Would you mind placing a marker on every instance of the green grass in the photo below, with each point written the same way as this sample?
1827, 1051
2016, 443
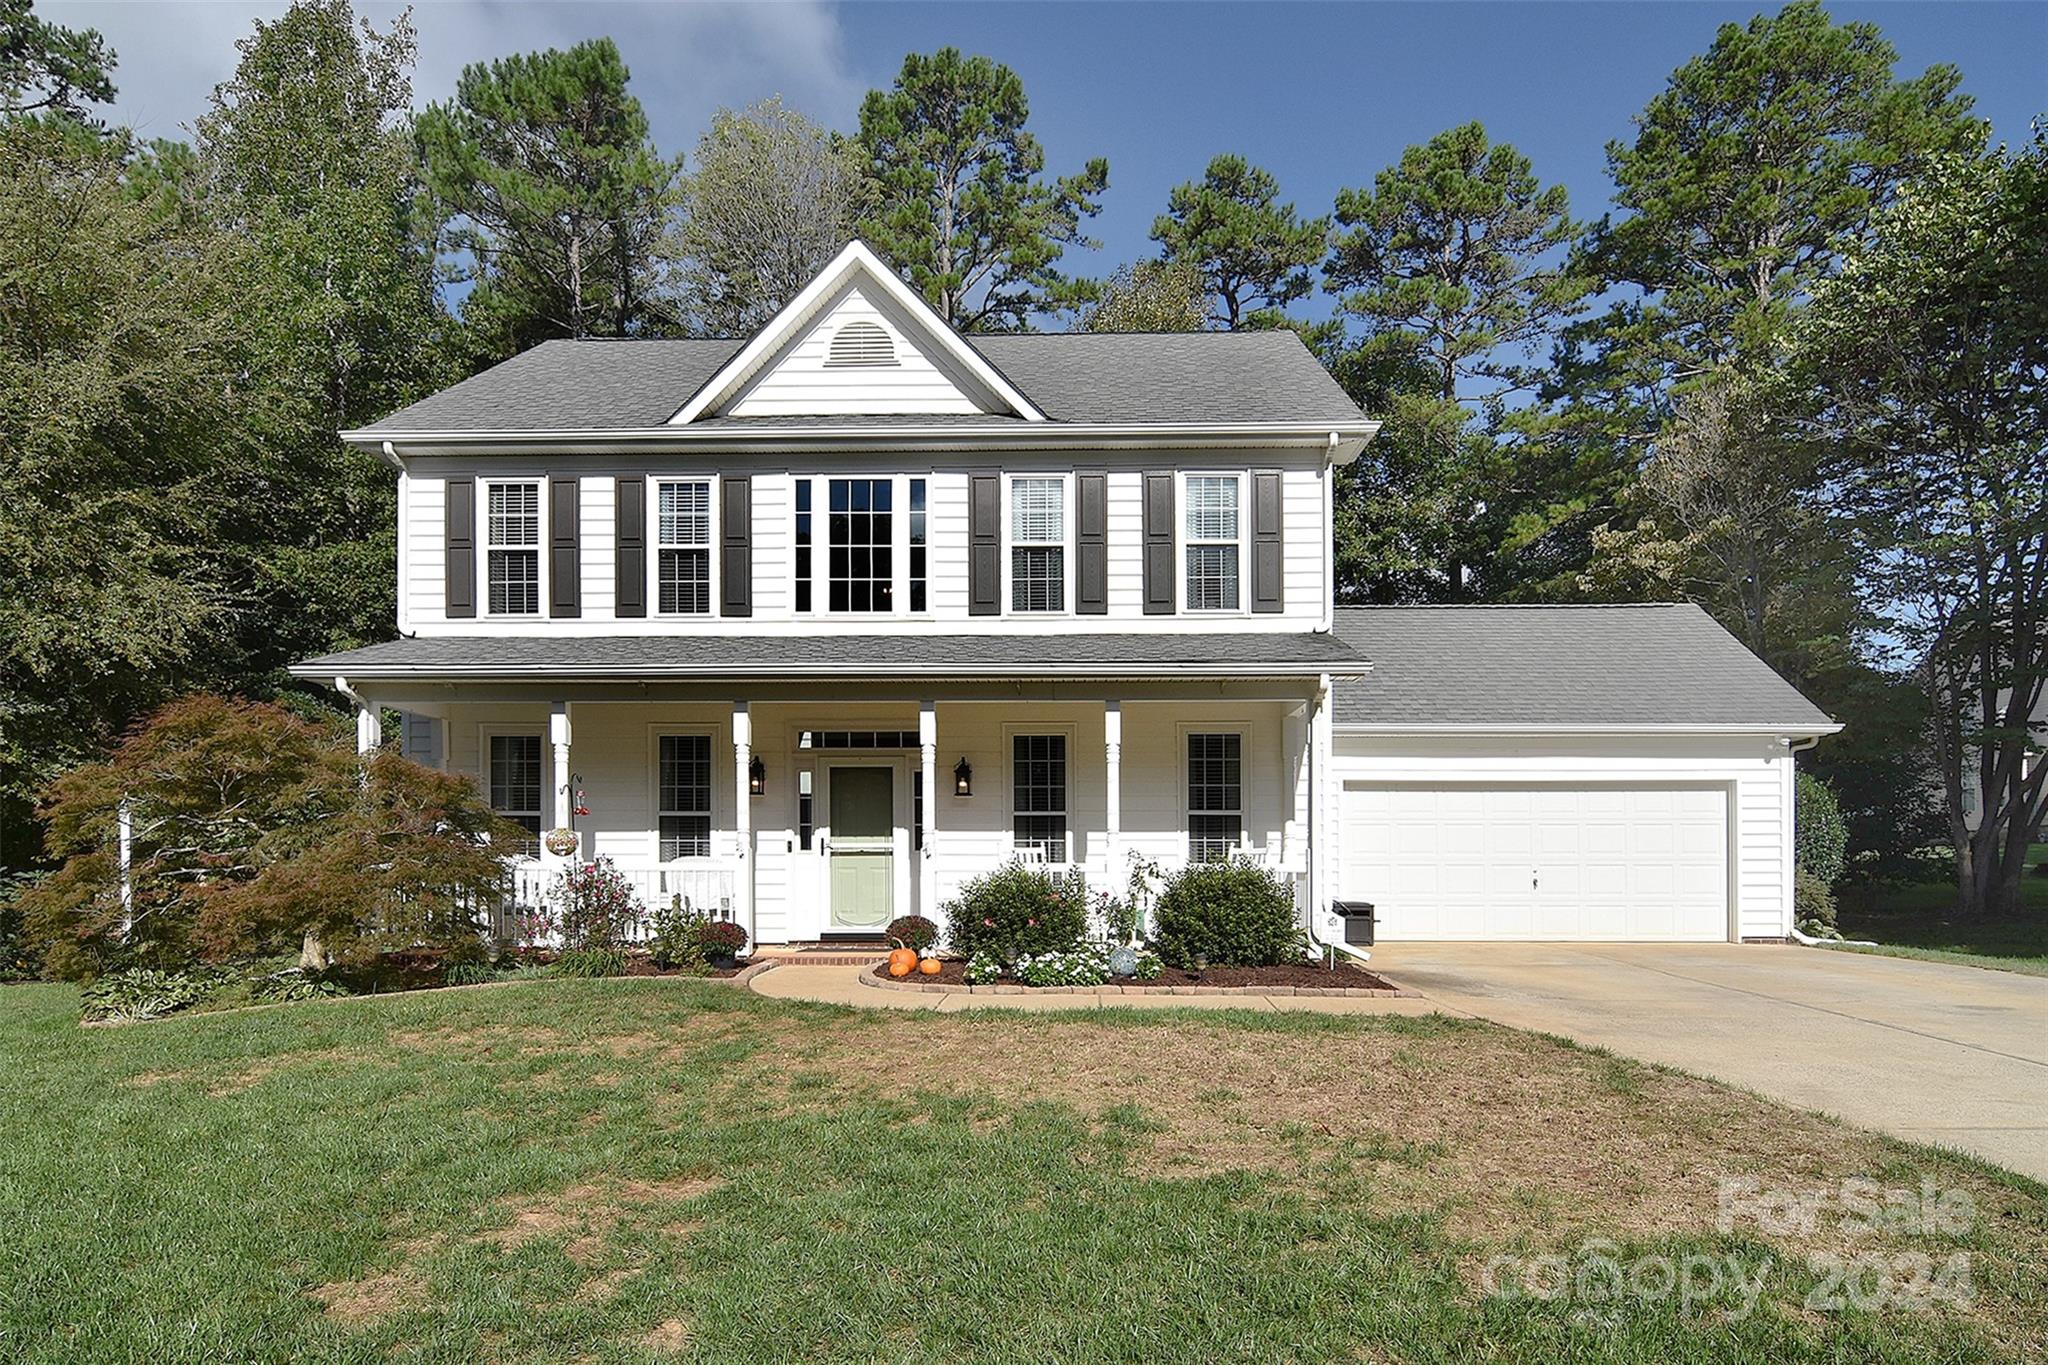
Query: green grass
1915, 920
639, 1170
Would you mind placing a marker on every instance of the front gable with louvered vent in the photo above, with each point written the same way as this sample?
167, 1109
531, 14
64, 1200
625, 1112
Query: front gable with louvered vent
856, 342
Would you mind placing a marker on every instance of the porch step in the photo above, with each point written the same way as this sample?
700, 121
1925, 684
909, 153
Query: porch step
824, 955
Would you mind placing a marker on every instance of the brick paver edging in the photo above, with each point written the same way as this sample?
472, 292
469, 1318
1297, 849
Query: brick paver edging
868, 978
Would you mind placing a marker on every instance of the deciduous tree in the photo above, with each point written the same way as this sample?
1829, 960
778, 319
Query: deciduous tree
773, 198
1149, 296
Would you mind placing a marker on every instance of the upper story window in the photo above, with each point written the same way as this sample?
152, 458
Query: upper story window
861, 343
683, 539
1038, 538
918, 553
1211, 536
860, 545
512, 548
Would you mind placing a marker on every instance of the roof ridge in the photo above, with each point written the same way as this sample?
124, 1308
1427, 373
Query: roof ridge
1505, 606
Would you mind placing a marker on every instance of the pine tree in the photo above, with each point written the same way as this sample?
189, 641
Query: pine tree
1254, 252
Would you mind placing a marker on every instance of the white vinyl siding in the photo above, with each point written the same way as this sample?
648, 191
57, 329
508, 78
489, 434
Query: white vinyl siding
804, 381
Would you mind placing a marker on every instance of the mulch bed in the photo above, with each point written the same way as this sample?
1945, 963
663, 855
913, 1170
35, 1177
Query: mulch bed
1294, 976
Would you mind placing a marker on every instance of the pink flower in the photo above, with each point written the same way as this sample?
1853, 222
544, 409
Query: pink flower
989, 923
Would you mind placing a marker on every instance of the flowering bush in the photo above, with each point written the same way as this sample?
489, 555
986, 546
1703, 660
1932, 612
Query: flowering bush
1087, 965
675, 937
599, 907
983, 968
532, 926
1018, 910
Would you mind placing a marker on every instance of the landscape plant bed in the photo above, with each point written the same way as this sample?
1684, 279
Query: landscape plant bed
1299, 978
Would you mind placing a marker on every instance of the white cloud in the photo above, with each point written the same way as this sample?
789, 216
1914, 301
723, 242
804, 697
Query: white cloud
686, 59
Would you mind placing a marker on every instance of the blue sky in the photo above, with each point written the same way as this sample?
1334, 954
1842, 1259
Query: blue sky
1324, 95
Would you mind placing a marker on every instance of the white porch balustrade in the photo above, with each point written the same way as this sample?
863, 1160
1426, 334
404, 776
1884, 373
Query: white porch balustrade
708, 886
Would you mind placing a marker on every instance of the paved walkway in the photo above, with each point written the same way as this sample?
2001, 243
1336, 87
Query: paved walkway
1928, 1051
1924, 1050
841, 986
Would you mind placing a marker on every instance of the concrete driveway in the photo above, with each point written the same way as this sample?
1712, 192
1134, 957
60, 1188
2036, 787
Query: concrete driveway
1956, 1056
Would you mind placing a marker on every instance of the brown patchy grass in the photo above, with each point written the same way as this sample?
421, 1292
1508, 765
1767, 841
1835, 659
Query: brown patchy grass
361, 1303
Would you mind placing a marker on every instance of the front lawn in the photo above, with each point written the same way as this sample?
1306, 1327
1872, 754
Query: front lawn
654, 1170
1914, 920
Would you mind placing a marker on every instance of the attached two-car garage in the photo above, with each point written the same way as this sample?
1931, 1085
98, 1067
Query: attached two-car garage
1586, 774
1538, 861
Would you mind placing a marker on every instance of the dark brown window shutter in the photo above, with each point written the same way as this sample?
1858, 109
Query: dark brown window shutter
1159, 593
736, 545
1091, 544
459, 567
629, 559
985, 545
565, 563
1267, 566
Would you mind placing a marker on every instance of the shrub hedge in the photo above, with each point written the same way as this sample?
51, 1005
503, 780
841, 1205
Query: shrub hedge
1017, 911
1229, 914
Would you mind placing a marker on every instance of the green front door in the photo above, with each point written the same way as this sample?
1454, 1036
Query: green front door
863, 848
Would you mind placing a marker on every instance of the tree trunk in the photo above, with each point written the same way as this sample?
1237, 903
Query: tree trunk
313, 954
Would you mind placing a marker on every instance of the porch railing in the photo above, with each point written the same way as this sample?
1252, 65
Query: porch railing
708, 886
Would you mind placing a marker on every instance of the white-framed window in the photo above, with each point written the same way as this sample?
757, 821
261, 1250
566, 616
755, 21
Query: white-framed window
1038, 794
512, 558
1215, 808
1212, 541
682, 538
515, 777
683, 795
1038, 543
860, 545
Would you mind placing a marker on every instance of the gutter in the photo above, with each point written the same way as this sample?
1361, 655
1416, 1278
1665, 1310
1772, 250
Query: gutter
1342, 440
1815, 732
852, 671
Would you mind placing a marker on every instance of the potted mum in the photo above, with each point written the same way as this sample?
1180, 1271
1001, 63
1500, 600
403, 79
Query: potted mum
722, 939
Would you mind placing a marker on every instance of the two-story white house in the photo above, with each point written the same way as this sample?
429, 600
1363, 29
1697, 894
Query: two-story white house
815, 626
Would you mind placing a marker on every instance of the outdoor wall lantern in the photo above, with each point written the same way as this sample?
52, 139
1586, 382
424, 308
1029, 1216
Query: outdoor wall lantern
963, 778
757, 777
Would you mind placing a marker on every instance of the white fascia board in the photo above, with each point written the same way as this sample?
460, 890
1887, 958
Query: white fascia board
962, 439
848, 672
1359, 728
855, 259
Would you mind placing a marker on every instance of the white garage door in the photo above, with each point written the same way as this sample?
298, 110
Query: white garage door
1539, 861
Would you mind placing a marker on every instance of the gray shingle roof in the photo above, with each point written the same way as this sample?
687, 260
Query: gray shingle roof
1136, 377
1651, 665
933, 655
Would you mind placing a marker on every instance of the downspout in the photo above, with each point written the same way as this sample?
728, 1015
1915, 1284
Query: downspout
1799, 747
1319, 729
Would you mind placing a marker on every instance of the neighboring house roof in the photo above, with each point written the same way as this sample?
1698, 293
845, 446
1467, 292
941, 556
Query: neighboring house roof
1592, 667
934, 656
1136, 378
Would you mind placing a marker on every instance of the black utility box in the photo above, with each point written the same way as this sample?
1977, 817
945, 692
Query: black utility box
1358, 920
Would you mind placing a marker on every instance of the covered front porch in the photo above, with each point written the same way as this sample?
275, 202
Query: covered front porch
817, 813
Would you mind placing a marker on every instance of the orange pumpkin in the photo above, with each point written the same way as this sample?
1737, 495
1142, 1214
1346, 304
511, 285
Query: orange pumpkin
930, 966
902, 962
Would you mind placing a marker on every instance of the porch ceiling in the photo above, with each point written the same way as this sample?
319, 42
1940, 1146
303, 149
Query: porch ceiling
1174, 657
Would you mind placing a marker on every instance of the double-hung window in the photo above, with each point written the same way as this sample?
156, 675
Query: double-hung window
512, 548
1210, 537
685, 797
1038, 791
515, 780
1038, 541
683, 540
1215, 795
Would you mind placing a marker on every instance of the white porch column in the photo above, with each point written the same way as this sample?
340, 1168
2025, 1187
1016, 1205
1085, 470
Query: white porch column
928, 784
743, 818
1322, 825
1113, 791
369, 730
558, 737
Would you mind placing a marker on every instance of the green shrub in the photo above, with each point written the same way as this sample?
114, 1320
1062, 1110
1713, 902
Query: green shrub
674, 938
1017, 910
914, 932
1229, 914
145, 993
1821, 835
590, 962
721, 937
1813, 906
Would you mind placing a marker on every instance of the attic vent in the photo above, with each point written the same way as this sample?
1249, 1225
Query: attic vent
861, 343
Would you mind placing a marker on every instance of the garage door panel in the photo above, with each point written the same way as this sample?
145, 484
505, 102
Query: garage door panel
1557, 862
